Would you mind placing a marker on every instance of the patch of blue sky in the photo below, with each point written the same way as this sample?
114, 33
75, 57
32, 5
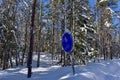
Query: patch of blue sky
0, 1
118, 4
92, 3
45, 1
116, 9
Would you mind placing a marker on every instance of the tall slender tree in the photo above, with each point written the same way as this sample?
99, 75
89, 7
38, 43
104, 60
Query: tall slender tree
29, 63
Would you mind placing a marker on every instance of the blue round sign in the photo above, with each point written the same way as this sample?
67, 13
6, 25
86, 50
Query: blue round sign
67, 42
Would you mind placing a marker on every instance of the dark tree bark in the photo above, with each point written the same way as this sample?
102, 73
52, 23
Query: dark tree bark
29, 62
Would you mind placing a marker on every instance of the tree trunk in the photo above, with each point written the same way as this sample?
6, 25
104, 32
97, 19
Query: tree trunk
29, 62
62, 32
16, 58
39, 35
10, 57
24, 52
39, 49
5, 59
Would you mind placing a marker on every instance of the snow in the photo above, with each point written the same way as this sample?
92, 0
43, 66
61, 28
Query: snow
111, 11
4, 27
84, 8
25, 3
105, 70
101, 1
118, 17
2, 11
67, 31
87, 17
107, 24
14, 34
85, 29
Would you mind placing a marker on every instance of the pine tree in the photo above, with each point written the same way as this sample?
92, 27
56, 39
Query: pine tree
105, 26
9, 32
83, 31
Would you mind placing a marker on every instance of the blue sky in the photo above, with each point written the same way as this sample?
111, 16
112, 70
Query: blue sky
92, 2
0, 1
45, 1
118, 4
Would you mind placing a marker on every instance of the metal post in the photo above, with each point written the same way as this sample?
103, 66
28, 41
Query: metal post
73, 69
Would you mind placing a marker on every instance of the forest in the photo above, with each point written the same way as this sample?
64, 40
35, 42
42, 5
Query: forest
29, 27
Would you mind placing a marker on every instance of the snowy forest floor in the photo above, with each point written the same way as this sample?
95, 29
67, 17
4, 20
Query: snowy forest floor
106, 70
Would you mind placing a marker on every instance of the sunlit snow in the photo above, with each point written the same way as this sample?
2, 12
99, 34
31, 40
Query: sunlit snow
106, 70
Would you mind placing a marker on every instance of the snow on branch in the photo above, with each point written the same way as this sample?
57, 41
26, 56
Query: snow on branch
15, 37
25, 3
111, 11
118, 16
84, 8
107, 24
87, 17
102, 1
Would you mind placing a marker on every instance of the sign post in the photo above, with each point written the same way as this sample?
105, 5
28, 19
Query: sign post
67, 44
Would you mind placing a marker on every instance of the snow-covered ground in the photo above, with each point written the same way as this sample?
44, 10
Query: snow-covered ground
106, 70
